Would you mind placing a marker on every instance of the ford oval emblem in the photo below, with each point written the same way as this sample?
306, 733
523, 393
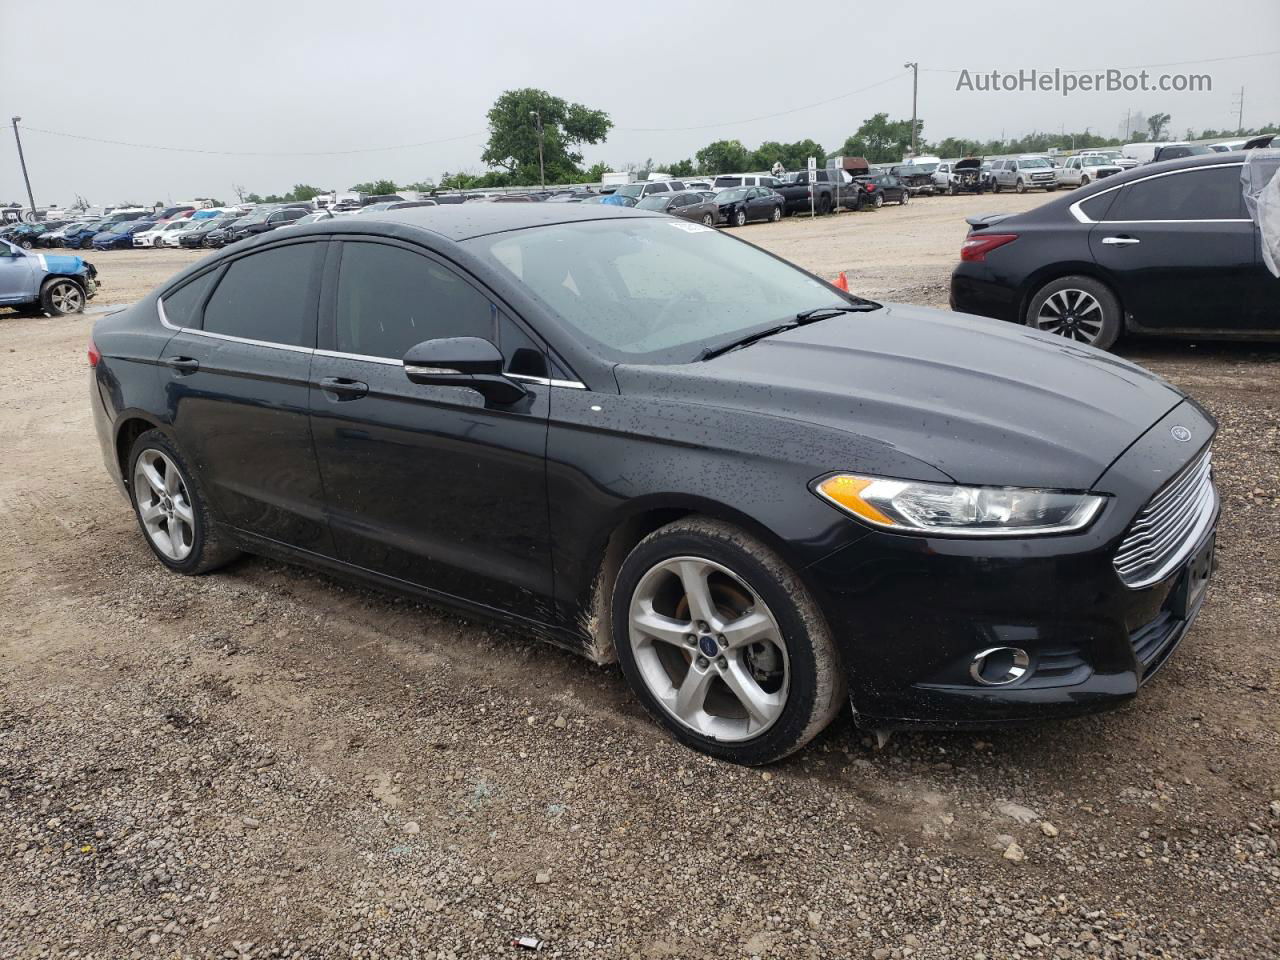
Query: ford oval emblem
1180, 433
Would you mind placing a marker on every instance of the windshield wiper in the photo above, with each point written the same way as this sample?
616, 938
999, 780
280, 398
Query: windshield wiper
821, 313
799, 320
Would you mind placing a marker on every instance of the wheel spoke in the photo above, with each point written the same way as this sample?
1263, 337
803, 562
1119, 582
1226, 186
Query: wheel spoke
749, 627
762, 707
172, 482
657, 627
182, 509
692, 693
151, 514
152, 476
693, 576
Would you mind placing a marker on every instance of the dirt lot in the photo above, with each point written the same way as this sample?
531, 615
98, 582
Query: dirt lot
266, 762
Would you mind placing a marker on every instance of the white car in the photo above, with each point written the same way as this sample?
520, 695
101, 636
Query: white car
155, 237
1112, 156
176, 228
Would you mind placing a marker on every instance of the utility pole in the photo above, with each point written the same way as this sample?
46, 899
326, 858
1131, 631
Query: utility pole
23, 160
542, 173
1127, 114
1240, 114
915, 89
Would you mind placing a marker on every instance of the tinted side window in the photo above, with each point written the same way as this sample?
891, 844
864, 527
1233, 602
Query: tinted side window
1211, 193
390, 299
677, 185
1095, 208
267, 296
182, 307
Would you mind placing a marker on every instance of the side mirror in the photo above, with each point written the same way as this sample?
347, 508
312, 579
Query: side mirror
462, 362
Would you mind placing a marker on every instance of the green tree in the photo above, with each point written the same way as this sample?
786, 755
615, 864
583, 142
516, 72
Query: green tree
724, 156
304, 191
1157, 124
513, 135
681, 168
375, 187
881, 140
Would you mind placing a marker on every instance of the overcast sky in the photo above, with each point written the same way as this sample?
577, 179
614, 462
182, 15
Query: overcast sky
279, 76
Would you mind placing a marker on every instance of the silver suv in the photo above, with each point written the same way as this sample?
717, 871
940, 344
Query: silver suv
1023, 174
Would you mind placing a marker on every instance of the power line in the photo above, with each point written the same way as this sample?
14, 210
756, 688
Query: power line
1133, 66
767, 116
254, 153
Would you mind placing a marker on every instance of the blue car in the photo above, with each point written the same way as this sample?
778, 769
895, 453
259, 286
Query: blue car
55, 283
120, 235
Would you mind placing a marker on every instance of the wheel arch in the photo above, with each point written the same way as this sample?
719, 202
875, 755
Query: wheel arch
618, 537
1069, 268
129, 427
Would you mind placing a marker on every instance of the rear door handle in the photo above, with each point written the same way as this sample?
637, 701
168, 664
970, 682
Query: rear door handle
1120, 241
182, 364
343, 388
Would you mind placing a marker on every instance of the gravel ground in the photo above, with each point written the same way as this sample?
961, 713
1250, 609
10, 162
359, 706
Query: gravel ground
267, 762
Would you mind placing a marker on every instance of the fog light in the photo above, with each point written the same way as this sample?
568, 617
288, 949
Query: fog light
999, 666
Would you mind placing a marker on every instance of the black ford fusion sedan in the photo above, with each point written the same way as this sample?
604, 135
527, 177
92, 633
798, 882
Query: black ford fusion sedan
646, 440
1166, 249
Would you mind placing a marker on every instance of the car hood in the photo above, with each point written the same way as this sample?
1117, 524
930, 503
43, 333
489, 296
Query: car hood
62, 264
980, 400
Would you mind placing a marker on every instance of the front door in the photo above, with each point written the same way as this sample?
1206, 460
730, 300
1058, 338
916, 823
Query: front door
237, 379
17, 275
1182, 249
429, 485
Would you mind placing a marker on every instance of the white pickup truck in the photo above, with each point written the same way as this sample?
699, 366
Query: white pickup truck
1082, 170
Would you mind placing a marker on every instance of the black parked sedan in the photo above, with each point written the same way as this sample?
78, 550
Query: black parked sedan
741, 204
650, 441
195, 237
686, 204
881, 188
1165, 249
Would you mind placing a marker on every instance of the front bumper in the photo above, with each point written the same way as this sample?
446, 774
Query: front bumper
910, 613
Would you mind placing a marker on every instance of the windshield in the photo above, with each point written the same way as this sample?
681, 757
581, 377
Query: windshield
1096, 161
654, 290
653, 203
729, 196
1027, 162
633, 190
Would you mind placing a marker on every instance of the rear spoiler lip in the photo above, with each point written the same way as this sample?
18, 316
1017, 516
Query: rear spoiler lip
986, 220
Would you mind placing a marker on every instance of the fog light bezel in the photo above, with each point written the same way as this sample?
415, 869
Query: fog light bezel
1018, 671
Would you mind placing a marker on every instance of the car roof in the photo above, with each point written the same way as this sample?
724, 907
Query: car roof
462, 221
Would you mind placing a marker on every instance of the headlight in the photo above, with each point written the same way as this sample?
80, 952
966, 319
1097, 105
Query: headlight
953, 510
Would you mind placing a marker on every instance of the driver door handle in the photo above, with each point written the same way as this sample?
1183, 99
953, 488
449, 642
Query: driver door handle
1120, 241
343, 388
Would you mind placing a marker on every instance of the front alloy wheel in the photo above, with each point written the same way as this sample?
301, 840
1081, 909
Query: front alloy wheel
61, 297
721, 642
740, 218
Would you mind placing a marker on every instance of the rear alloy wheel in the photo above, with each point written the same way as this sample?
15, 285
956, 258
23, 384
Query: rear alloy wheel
722, 644
906, 195
60, 296
740, 217
1076, 308
777, 214
171, 510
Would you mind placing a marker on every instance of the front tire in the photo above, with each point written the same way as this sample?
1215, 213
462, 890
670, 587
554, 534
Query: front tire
740, 218
995, 187
171, 508
722, 643
906, 195
777, 213
1019, 187
60, 297
879, 201
1076, 308
708, 220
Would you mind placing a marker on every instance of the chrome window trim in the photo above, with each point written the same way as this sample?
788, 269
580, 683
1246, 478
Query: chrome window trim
523, 377
164, 319
1083, 218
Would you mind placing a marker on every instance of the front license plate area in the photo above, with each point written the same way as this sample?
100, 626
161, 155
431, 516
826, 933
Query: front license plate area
1195, 581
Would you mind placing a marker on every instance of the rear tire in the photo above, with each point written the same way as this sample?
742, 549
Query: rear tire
172, 499
770, 679
777, 213
1078, 309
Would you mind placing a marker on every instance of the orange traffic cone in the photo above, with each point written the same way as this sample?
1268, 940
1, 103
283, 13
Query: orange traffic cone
842, 282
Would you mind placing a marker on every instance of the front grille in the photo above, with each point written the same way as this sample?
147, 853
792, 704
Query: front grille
1169, 526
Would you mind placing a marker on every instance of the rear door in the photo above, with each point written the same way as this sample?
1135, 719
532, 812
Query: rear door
1184, 251
237, 381
429, 485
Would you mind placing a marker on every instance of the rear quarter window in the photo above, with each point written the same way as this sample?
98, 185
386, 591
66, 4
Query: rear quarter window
1205, 193
182, 306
